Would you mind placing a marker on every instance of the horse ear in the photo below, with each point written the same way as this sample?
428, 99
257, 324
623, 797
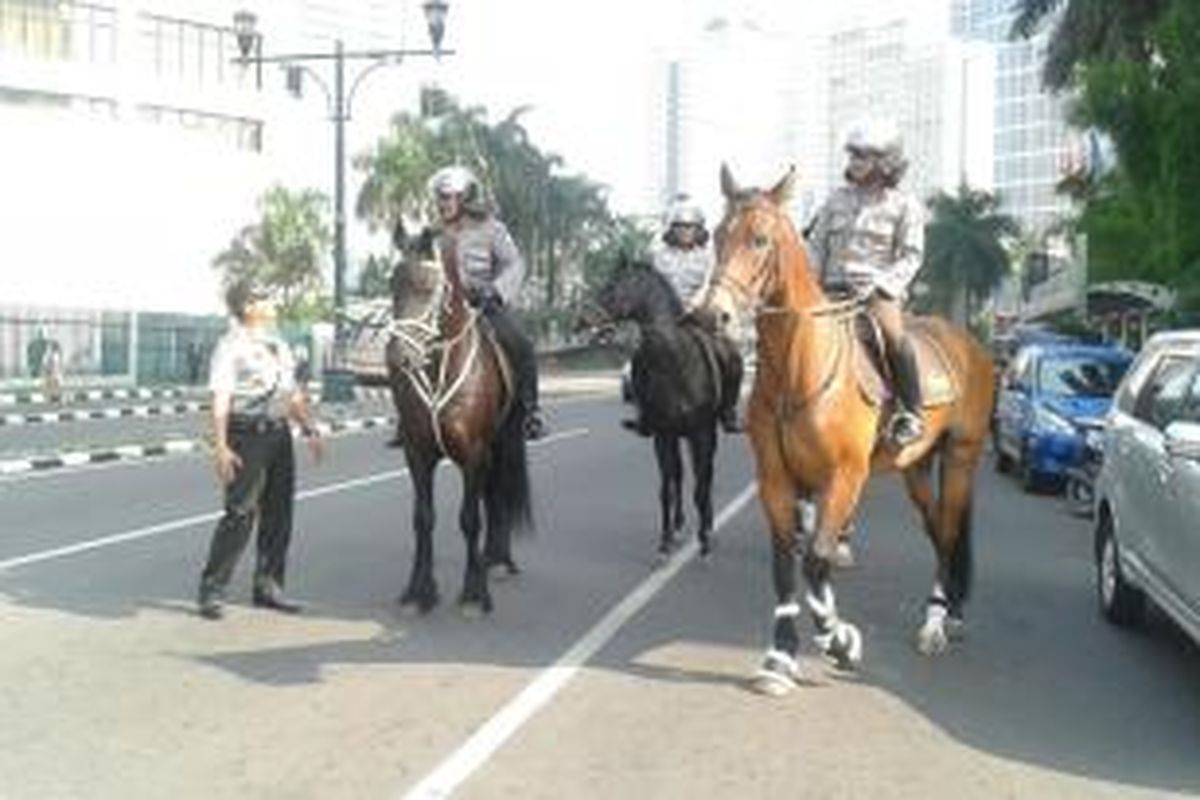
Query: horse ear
729, 186
782, 192
399, 234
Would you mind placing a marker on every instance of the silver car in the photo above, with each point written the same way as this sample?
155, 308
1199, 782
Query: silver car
1148, 492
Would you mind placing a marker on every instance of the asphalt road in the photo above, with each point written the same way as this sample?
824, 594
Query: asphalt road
596, 677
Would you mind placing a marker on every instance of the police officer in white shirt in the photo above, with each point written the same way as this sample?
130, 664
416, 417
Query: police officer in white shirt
254, 397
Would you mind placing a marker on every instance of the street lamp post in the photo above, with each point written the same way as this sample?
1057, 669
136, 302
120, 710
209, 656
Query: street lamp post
339, 101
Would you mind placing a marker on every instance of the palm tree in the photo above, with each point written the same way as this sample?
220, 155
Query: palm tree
285, 249
1106, 30
965, 255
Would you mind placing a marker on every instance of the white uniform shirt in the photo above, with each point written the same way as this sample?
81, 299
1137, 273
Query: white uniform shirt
687, 271
869, 239
256, 369
487, 257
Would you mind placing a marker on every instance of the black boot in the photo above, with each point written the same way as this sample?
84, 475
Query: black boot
906, 425
269, 594
535, 425
211, 603
397, 440
636, 425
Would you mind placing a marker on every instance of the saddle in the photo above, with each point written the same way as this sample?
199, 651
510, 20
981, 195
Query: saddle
939, 386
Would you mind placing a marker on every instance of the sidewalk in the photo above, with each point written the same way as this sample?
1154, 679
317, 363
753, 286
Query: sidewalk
334, 418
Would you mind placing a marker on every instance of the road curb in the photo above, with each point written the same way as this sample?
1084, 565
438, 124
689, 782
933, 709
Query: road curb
114, 412
132, 452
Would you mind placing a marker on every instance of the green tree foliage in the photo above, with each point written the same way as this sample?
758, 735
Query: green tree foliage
556, 219
1086, 30
1135, 69
965, 255
284, 250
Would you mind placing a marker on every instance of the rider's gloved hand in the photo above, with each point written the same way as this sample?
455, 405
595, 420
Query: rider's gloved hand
485, 298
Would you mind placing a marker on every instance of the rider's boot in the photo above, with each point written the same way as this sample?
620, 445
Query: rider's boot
906, 425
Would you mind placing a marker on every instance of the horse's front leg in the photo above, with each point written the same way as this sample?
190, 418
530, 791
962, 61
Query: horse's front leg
475, 600
703, 447
670, 478
839, 640
779, 670
422, 592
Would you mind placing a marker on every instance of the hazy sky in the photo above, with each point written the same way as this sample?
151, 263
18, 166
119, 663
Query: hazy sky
588, 69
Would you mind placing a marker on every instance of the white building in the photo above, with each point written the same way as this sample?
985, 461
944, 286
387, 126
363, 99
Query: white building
135, 148
887, 60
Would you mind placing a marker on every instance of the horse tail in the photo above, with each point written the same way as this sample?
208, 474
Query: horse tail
960, 569
506, 486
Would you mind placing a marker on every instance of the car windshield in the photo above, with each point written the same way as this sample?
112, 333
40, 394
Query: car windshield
1081, 376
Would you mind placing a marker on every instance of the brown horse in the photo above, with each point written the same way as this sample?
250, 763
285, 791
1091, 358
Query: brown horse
817, 434
453, 392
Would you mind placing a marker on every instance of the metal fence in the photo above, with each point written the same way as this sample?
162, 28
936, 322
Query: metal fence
101, 347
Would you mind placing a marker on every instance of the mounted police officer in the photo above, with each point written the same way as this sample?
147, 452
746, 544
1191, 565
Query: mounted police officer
492, 271
869, 237
686, 261
254, 395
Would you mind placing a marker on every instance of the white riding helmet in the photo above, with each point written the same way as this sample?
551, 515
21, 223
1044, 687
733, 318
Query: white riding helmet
879, 135
684, 212
454, 179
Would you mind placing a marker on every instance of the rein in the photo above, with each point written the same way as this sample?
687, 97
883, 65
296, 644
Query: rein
423, 335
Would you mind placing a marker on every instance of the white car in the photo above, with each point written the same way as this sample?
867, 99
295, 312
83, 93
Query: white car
1147, 535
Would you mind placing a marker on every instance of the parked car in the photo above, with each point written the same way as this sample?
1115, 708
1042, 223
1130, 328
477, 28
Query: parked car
367, 332
1052, 398
1147, 530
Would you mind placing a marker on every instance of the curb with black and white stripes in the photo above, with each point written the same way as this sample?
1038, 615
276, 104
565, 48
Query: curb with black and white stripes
115, 412
169, 447
85, 395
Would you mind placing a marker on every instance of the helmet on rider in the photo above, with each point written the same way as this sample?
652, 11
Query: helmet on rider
683, 216
877, 146
453, 179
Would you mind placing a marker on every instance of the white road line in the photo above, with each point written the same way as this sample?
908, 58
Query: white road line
213, 516
489, 737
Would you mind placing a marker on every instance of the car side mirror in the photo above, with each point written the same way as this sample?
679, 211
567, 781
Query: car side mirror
1183, 440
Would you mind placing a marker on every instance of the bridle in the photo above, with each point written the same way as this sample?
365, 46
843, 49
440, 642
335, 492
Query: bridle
422, 336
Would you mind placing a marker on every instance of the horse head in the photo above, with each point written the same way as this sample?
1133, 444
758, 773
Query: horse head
418, 286
636, 291
759, 254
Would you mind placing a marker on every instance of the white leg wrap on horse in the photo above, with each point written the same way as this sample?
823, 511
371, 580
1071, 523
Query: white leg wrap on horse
787, 610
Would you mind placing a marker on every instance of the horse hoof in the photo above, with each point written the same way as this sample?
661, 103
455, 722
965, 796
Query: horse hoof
844, 647
473, 610
843, 556
410, 610
502, 571
931, 640
770, 683
956, 629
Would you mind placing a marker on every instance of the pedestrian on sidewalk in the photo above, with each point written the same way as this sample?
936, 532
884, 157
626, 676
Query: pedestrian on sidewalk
254, 395
52, 372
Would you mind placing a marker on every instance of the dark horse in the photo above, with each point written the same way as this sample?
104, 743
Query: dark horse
677, 381
816, 433
453, 392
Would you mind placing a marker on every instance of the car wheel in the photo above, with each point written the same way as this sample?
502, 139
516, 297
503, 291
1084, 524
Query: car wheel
1120, 603
1001, 461
1026, 474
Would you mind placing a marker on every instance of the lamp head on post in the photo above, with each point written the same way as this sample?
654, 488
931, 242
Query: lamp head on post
244, 24
435, 16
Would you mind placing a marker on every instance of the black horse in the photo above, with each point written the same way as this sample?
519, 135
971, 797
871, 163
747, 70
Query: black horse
678, 384
454, 394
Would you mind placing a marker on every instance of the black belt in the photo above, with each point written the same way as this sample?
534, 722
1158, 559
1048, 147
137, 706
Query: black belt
256, 423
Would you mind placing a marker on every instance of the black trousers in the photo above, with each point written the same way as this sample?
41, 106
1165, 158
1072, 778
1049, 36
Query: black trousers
263, 491
519, 349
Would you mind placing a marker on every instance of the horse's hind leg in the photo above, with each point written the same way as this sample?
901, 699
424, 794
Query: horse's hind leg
931, 638
947, 522
670, 475
422, 592
703, 447
475, 598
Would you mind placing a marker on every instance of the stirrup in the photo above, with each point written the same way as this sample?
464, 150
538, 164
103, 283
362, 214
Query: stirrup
905, 428
535, 426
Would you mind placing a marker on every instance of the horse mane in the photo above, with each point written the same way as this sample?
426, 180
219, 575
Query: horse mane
643, 266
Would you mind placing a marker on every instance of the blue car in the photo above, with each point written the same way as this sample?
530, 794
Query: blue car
1052, 401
